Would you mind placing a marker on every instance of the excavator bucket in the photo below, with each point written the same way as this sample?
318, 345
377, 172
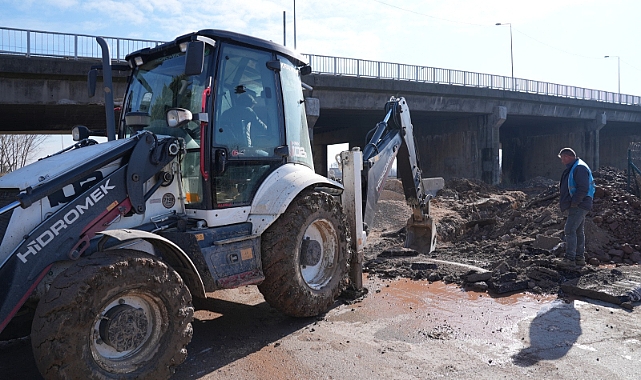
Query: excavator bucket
421, 234
421, 228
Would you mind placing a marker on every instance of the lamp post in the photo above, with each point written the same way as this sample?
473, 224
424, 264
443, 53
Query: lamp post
294, 24
511, 51
618, 70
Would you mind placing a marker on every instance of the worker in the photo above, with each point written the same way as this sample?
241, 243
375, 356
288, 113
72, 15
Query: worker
576, 194
241, 119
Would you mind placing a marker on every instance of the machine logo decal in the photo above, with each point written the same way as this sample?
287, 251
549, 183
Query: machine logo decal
168, 200
69, 218
297, 150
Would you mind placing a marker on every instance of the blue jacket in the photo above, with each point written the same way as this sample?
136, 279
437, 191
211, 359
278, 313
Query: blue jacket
576, 186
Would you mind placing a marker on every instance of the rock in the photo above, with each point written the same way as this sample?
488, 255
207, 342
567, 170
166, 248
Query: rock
558, 234
505, 287
545, 214
599, 192
547, 284
616, 272
635, 257
627, 305
539, 273
545, 242
506, 238
434, 276
398, 252
627, 248
615, 253
503, 267
601, 256
597, 220
559, 250
594, 261
423, 266
478, 286
510, 276
476, 277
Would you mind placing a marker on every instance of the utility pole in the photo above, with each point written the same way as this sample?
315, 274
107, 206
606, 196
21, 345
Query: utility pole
511, 50
618, 72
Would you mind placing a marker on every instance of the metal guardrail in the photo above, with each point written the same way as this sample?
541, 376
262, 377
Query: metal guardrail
51, 44
75, 46
398, 71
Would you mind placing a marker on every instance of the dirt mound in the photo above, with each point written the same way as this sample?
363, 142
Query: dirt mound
512, 235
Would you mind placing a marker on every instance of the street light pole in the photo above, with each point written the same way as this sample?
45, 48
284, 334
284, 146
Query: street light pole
294, 24
511, 50
618, 71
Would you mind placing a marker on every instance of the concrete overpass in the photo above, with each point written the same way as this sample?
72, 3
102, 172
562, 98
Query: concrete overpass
462, 120
461, 129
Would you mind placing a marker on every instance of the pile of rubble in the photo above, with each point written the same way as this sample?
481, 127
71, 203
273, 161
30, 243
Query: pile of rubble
507, 239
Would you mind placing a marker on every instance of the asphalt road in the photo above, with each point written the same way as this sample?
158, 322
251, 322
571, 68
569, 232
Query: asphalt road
402, 330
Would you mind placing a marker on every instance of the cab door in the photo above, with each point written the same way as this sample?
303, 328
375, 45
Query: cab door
248, 133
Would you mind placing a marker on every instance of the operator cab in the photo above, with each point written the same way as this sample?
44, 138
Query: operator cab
237, 103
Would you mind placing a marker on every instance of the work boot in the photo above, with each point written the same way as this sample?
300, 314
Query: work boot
580, 262
565, 263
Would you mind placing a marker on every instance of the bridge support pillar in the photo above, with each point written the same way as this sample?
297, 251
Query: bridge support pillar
593, 129
489, 143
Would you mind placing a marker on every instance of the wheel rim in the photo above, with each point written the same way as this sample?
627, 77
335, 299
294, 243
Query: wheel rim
318, 270
127, 332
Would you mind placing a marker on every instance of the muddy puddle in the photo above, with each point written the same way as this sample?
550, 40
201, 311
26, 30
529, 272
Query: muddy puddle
414, 311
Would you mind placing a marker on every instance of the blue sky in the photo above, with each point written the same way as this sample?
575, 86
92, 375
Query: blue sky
558, 41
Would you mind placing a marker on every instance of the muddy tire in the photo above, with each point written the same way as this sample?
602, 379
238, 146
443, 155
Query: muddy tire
116, 315
305, 256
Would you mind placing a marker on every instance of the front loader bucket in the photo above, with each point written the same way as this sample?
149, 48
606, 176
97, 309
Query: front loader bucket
421, 235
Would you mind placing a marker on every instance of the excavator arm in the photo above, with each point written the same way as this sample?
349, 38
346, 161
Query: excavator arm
394, 138
364, 176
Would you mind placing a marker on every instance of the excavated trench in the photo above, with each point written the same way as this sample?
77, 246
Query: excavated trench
505, 240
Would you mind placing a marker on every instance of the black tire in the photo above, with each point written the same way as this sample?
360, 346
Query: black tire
306, 290
116, 315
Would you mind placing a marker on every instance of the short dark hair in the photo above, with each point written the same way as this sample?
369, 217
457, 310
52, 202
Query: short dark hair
567, 152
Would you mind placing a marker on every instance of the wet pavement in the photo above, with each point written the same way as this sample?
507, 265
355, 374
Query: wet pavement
403, 329
408, 329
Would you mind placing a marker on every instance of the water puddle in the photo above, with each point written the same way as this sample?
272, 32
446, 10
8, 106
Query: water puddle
412, 311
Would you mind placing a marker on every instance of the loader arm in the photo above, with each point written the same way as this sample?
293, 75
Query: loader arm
66, 234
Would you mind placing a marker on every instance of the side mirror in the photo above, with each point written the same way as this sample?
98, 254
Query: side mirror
305, 70
178, 116
195, 58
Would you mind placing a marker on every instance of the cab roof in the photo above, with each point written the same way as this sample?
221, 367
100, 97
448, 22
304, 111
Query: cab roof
224, 35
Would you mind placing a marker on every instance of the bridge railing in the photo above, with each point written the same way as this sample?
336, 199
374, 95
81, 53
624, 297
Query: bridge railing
398, 71
52, 44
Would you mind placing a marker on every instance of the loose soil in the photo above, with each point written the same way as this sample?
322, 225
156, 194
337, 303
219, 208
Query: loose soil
508, 238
